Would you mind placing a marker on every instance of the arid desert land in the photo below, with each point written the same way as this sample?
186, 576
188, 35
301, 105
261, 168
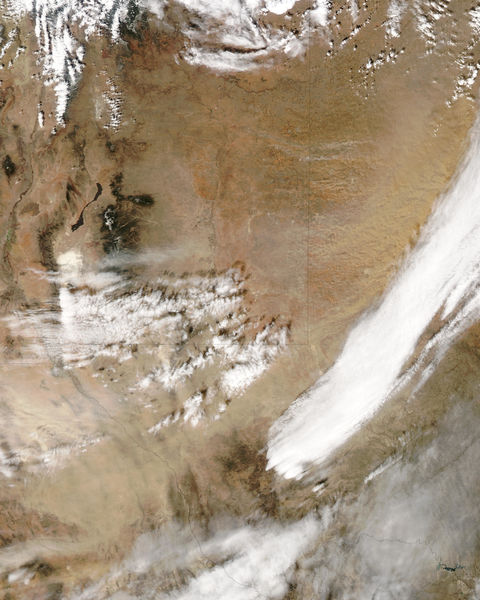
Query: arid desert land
239, 300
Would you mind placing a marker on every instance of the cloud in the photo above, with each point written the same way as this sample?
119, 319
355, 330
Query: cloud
223, 36
261, 559
180, 333
245, 562
416, 517
438, 279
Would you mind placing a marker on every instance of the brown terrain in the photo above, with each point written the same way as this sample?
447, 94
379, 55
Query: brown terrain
312, 178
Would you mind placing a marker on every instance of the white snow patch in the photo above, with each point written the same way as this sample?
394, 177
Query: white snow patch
180, 326
279, 7
157, 7
475, 19
6, 466
56, 457
467, 78
61, 54
112, 100
221, 30
168, 420
233, 26
251, 360
353, 7
428, 14
193, 411
41, 116
70, 263
395, 12
381, 468
23, 573
319, 13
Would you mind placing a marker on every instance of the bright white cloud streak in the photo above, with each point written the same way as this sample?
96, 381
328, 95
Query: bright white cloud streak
439, 276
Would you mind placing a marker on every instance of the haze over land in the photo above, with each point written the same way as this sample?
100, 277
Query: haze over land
239, 300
